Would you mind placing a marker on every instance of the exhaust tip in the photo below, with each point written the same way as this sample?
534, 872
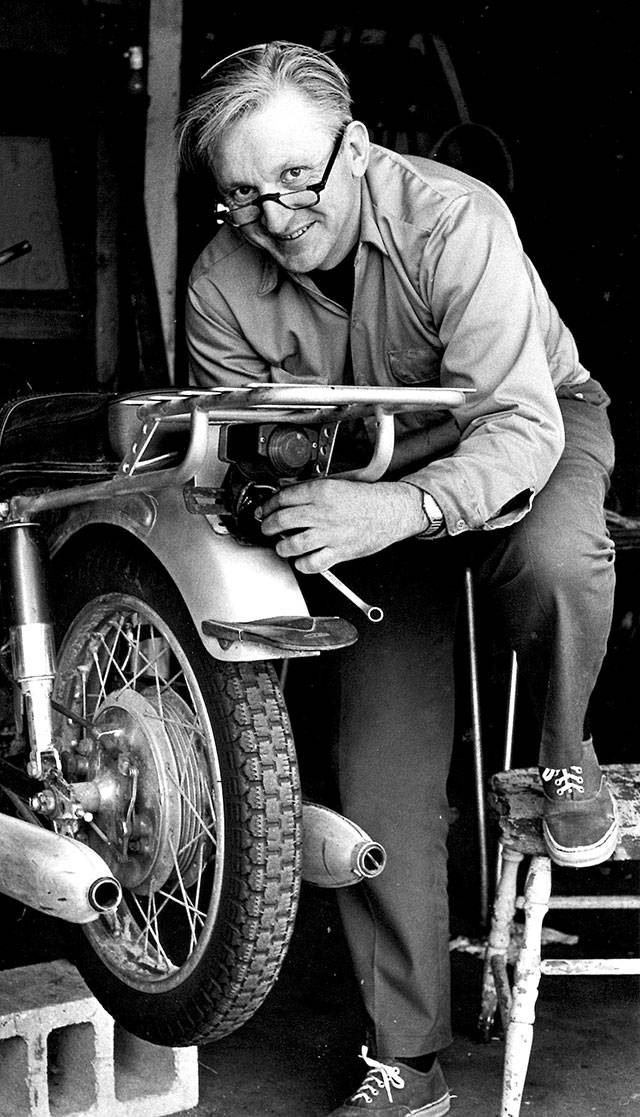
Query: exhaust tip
370, 860
105, 894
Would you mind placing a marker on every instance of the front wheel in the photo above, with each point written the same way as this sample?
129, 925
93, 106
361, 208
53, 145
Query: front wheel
200, 816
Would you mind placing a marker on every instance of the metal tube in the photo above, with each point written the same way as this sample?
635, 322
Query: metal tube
31, 635
123, 483
24, 582
477, 749
511, 712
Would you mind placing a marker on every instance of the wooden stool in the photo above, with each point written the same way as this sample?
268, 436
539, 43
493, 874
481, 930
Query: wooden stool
516, 796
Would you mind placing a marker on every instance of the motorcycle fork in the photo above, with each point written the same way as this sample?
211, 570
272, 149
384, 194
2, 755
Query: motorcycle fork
31, 636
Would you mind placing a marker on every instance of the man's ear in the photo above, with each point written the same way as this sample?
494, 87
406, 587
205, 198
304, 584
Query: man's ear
357, 144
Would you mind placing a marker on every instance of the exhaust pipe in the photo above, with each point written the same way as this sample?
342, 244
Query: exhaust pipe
54, 874
336, 852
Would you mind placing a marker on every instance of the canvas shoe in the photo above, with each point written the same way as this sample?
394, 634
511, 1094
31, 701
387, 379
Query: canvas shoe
580, 820
396, 1090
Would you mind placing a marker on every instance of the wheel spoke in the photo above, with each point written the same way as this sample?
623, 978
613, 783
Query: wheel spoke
148, 663
193, 809
172, 898
135, 935
148, 931
104, 671
196, 899
188, 907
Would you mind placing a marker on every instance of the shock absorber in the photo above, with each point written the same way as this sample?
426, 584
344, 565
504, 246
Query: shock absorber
31, 634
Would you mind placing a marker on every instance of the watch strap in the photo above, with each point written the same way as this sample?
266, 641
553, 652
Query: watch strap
434, 516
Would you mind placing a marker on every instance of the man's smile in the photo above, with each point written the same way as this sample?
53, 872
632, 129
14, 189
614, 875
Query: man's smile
297, 233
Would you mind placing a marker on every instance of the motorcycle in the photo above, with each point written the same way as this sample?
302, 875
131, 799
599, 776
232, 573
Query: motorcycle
150, 785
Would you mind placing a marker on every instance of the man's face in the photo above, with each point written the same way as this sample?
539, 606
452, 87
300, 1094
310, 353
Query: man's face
276, 150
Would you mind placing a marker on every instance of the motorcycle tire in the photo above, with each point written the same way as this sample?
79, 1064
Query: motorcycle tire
207, 844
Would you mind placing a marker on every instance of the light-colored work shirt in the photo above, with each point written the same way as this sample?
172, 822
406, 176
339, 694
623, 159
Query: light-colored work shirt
443, 295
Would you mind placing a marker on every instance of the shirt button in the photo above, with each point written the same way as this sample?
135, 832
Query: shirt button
461, 523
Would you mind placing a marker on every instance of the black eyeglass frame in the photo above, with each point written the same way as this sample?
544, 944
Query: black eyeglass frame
224, 213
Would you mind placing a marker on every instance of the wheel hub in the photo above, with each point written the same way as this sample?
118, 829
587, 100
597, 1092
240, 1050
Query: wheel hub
152, 815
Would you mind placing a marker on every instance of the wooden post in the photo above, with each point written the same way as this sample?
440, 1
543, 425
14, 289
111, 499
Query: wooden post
519, 1036
161, 173
499, 940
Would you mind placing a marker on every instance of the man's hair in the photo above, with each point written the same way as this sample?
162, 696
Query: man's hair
243, 83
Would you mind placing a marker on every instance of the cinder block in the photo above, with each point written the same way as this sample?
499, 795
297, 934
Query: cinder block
62, 1055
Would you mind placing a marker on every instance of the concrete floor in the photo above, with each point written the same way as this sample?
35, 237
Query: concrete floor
298, 1056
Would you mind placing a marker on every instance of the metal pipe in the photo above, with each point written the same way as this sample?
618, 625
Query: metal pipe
31, 633
477, 749
54, 874
122, 483
373, 612
382, 453
24, 582
511, 711
508, 736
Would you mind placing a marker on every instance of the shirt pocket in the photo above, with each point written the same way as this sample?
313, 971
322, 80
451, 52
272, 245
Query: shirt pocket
414, 366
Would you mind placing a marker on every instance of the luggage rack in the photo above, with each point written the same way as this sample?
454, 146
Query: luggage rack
137, 419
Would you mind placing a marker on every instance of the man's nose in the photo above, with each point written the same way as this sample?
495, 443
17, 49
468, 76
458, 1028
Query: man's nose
275, 217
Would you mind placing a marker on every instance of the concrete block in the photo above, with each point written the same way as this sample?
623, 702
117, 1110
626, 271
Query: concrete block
62, 1055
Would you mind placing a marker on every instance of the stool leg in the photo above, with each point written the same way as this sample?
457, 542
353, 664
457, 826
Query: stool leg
504, 907
525, 987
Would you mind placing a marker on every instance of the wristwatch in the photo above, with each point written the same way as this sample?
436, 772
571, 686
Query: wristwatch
433, 515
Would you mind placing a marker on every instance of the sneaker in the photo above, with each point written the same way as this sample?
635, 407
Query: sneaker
397, 1090
580, 820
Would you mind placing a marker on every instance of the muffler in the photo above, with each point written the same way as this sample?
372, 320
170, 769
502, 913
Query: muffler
336, 852
54, 874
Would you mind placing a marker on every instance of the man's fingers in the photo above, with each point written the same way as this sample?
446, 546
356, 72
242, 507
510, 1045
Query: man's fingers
316, 562
285, 519
291, 496
307, 552
298, 543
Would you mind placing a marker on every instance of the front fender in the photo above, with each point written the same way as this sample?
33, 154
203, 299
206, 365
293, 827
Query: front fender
218, 577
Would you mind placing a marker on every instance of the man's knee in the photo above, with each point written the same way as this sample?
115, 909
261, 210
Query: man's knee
544, 570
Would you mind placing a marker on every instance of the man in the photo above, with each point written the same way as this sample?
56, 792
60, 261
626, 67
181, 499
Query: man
340, 261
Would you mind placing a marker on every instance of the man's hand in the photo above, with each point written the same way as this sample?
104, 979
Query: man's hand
325, 522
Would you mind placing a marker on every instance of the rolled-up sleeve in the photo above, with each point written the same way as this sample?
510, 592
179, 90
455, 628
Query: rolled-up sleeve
494, 333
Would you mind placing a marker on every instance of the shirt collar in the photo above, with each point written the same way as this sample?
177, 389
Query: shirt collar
369, 230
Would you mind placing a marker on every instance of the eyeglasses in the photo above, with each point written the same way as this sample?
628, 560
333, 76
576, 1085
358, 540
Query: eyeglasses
304, 198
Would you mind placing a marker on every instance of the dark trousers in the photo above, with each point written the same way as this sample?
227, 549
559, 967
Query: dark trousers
550, 583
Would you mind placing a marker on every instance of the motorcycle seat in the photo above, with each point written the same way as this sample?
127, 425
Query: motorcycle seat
62, 433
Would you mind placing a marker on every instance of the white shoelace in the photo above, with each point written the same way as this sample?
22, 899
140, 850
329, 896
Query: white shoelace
380, 1077
566, 780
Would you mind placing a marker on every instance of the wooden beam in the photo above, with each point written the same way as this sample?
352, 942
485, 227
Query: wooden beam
161, 175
